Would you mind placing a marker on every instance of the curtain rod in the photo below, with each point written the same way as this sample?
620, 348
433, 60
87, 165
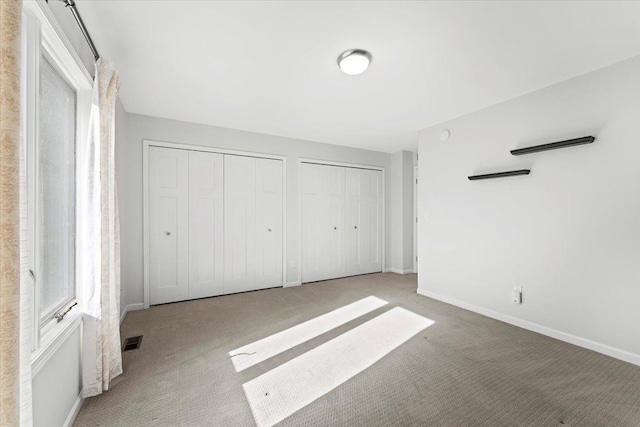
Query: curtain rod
71, 4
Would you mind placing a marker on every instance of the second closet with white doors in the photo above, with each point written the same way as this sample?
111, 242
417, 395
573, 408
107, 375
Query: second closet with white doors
341, 221
215, 224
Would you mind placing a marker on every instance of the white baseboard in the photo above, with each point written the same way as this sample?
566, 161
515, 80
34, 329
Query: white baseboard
130, 307
553, 333
75, 409
398, 271
291, 284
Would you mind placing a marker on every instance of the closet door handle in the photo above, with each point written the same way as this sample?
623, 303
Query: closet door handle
168, 233
356, 227
269, 230
335, 228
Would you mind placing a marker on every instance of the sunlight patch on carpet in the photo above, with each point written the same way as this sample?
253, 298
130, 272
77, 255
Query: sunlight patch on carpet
259, 351
295, 384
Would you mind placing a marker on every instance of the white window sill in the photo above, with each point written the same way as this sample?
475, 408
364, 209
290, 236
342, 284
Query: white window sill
52, 340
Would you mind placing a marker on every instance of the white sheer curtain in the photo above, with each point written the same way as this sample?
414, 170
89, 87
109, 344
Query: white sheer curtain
99, 241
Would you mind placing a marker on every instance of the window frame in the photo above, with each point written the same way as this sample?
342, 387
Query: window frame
42, 36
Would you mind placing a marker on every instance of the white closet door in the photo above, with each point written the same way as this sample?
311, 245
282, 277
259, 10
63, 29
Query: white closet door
206, 191
168, 225
364, 221
269, 223
323, 222
240, 224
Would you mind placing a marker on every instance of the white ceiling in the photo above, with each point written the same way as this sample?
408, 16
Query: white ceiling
270, 67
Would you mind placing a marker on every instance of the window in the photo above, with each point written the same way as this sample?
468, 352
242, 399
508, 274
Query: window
54, 204
56, 91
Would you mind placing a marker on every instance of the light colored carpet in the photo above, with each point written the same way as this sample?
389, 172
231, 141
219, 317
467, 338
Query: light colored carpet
464, 370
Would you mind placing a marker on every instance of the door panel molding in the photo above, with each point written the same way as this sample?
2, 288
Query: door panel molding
206, 224
168, 227
323, 215
240, 237
363, 213
269, 223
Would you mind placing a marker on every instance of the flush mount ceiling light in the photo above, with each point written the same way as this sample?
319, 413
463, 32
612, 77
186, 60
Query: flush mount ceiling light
354, 61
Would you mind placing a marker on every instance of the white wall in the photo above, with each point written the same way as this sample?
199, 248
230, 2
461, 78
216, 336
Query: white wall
395, 211
144, 127
407, 211
67, 22
57, 386
401, 212
569, 233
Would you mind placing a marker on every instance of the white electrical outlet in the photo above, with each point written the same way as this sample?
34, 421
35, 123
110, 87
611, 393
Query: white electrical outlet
516, 295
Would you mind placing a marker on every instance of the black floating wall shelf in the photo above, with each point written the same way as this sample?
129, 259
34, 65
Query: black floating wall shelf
553, 145
500, 174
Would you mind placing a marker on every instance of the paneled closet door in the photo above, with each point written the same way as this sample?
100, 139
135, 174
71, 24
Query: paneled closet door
206, 226
364, 221
269, 223
168, 225
253, 223
240, 224
323, 222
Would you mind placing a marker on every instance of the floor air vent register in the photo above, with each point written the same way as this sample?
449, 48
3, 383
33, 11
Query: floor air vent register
132, 343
